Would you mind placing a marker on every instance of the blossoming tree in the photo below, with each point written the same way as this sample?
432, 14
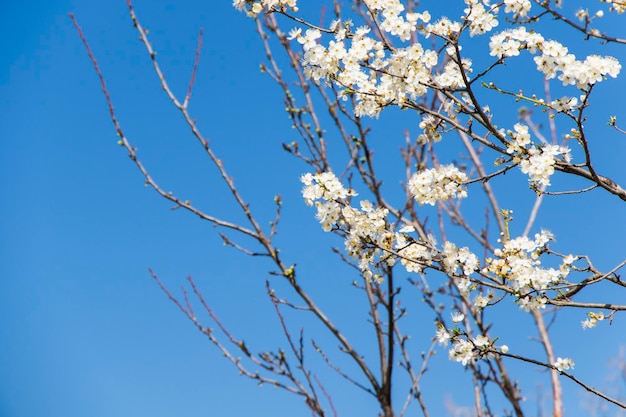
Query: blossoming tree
418, 242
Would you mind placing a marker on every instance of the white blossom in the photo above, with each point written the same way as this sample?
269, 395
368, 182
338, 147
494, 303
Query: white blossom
518, 262
442, 336
563, 364
481, 301
564, 104
517, 7
253, 8
413, 255
539, 163
462, 351
457, 317
481, 341
441, 183
481, 18
592, 320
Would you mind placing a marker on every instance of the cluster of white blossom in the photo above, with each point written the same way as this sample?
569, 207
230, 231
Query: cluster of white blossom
466, 351
254, 8
564, 104
451, 76
539, 165
481, 16
618, 6
441, 183
379, 76
534, 161
517, 7
592, 320
521, 140
360, 64
482, 300
555, 59
563, 364
326, 187
370, 240
414, 256
519, 265
431, 129
367, 68
459, 258
323, 185
462, 351
510, 42
328, 213
392, 20
574, 72
367, 236
444, 28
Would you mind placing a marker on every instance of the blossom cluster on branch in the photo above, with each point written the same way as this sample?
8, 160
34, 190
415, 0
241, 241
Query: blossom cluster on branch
370, 239
402, 56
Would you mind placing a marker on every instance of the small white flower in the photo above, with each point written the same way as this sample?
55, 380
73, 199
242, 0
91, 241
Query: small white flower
590, 323
462, 351
407, 228
517, 7
563, 364
442, 336
457, 317
593, 320
481, 301
481, 341
569, 259
294, 33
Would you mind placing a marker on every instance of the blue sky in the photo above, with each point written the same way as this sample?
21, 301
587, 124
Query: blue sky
85, 332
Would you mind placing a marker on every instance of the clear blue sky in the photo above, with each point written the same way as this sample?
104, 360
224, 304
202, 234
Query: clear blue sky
84, 331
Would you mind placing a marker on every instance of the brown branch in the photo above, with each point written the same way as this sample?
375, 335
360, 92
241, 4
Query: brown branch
565, 374
196, 61
557, 393
132, 151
